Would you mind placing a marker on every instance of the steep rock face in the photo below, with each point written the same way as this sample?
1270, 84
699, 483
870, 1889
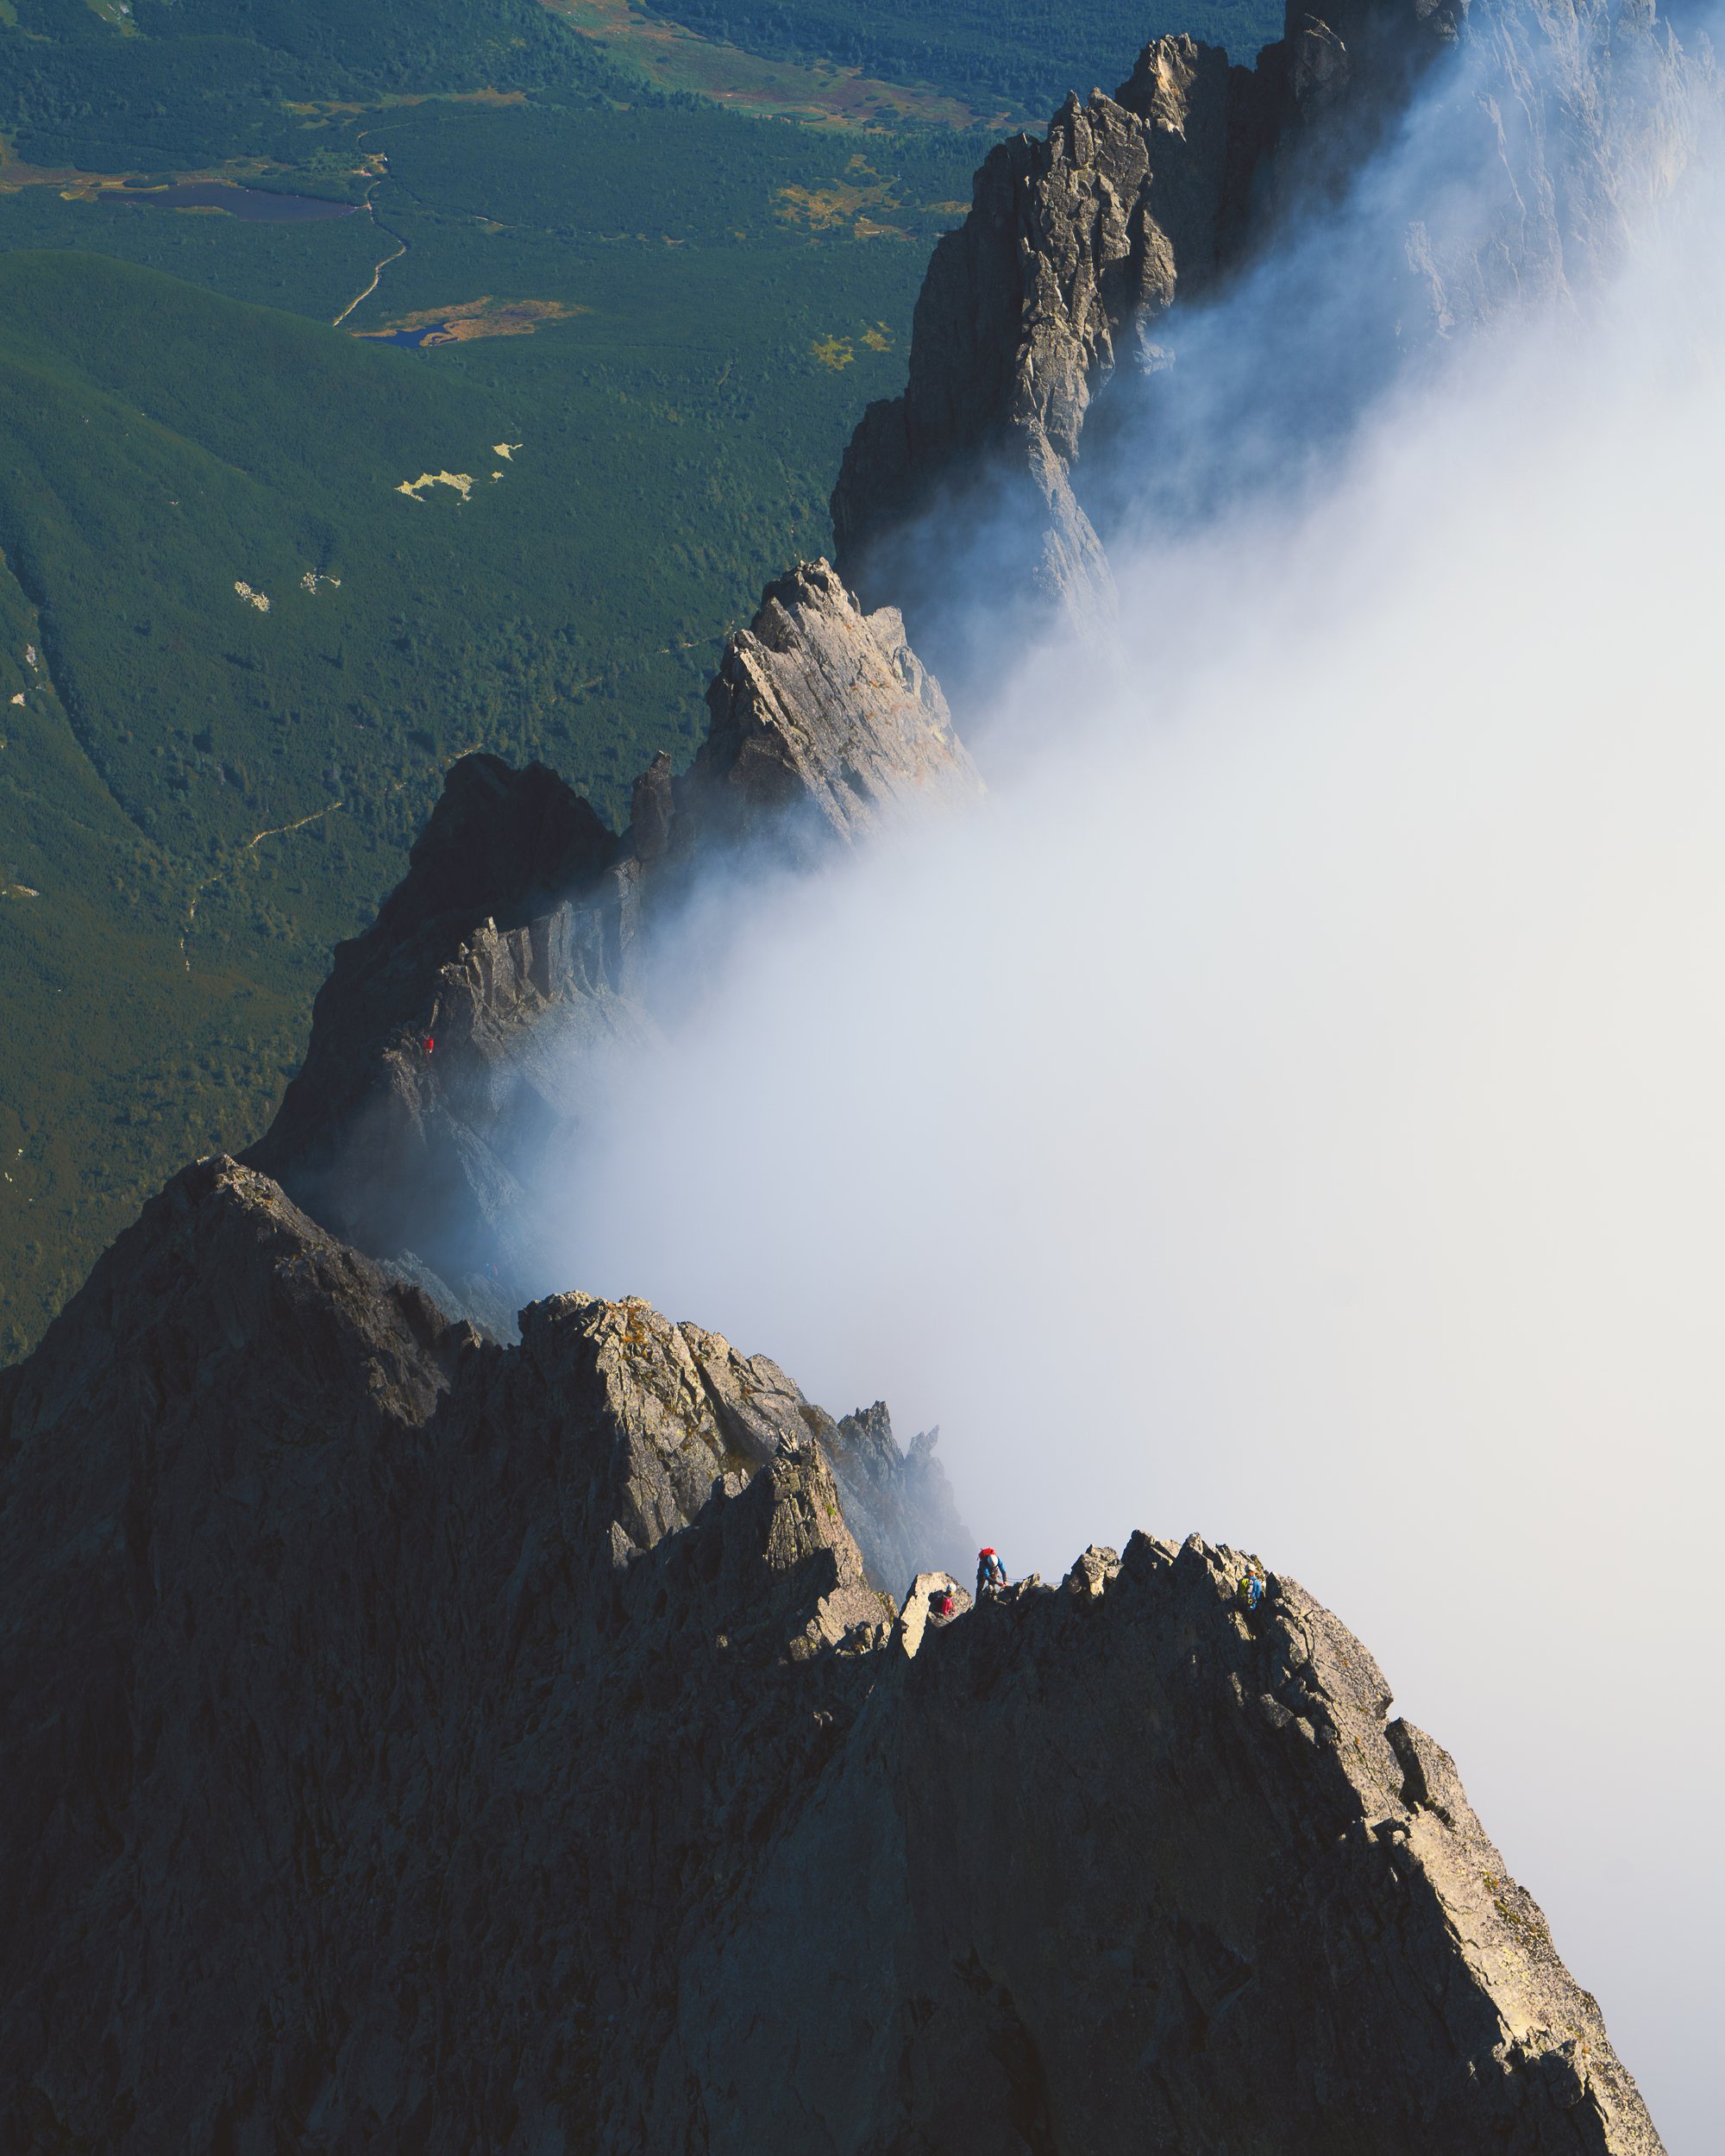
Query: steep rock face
1568, 118
421, 1744
325, 1647
1118, 1867
453, 1047
900, 1505
1072, 247
1539, 122
823, 725
458, 1026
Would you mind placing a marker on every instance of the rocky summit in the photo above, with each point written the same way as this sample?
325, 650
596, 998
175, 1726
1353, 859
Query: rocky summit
421, 1744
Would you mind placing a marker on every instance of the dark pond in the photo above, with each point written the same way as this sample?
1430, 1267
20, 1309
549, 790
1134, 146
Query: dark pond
428, 332
250, 203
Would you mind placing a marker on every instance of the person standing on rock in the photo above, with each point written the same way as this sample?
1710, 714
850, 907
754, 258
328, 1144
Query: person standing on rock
991, 1574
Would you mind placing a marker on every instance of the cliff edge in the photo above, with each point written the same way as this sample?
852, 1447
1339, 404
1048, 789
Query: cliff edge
436, 1726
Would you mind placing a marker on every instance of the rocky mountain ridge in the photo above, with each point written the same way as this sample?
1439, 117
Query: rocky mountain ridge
454, 1046
418, 1744
435, 1726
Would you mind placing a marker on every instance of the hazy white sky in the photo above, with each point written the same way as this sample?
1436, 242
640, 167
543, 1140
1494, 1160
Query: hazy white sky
1294, 1107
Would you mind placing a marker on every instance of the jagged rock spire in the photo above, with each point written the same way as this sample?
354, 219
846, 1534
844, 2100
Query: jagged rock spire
970, 493
453, 1047
823, 725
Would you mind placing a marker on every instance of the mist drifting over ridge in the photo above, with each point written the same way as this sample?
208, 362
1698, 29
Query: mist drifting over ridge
1291, 1108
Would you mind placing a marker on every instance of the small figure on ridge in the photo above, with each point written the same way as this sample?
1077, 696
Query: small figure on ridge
991, 1574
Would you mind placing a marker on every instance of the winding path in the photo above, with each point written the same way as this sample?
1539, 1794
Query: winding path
400, 250
276, 830
376, 182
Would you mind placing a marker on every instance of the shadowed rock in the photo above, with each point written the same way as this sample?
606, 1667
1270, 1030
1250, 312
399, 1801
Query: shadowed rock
421, 1744
418, 1744
455, 1035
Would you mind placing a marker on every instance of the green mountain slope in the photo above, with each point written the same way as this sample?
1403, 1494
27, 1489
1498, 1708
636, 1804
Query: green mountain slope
190, 768
119, 85
117, 1061
1028, 53
660, 320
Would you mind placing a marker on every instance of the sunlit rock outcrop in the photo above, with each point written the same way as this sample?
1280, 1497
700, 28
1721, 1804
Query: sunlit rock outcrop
426, 1732
823, 727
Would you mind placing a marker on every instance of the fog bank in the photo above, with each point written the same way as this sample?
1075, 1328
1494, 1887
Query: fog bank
1292, 1107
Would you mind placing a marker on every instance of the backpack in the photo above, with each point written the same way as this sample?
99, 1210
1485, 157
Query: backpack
1250, 1590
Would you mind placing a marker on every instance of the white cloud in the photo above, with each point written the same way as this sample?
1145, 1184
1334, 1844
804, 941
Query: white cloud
1295, 1107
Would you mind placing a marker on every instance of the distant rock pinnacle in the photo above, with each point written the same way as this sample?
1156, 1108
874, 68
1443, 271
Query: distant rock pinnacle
1081, 249
435, 1726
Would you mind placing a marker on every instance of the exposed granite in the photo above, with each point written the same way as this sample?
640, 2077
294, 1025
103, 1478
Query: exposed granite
1073, 246
419, 1744
822, 726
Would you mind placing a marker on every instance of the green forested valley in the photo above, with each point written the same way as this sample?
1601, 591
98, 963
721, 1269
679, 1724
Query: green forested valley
199, 796
264, 574
1026, 55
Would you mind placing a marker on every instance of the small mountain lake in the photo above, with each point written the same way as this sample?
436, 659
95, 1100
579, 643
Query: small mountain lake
427, 333
251, 204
